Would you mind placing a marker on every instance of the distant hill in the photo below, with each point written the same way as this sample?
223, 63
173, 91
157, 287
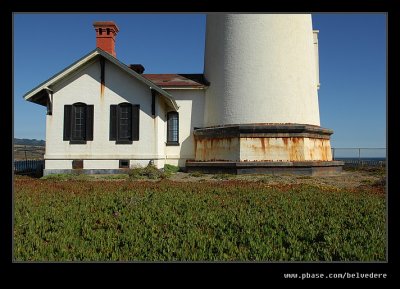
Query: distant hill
30, 142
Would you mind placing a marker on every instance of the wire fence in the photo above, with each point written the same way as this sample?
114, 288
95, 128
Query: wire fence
28, 167
28, 159
360, 156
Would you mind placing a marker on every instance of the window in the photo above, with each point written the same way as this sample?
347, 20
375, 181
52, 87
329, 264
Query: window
124, 164
172, 128
78, 123
124, 123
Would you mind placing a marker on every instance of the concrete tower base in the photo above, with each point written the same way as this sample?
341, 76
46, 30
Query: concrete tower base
312, 168
264, 148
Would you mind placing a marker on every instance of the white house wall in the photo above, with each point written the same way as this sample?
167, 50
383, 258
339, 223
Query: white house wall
191, 114
100, 164
84, 87
58, 164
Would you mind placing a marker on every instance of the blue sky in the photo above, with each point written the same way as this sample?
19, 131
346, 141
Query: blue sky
352, 97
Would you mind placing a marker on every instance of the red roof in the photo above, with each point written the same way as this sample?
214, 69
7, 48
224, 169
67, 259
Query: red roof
177, 80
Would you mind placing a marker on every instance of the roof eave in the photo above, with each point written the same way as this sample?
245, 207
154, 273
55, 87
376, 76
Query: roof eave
58, 76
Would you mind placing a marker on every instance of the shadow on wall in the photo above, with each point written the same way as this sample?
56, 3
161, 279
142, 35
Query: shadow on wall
187, 145
196, 115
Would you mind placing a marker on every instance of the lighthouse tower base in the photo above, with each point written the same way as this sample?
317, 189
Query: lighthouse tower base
264, 148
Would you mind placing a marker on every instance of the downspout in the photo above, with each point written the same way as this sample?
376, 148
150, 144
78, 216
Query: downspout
102, 76
155, 121
49, 101
49, 93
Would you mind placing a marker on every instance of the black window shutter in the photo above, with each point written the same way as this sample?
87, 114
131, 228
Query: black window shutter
135, 122
89, 122
113, 122
67, 122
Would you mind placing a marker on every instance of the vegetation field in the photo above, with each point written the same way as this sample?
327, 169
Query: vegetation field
229, 219
30, 152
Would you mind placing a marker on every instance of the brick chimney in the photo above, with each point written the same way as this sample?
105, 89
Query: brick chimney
105, 36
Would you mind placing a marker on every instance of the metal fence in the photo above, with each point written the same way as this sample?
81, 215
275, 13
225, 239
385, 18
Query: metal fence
360, 156
28, 166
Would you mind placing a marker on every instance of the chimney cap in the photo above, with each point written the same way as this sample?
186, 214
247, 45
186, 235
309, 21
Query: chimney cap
105, 24
139, 68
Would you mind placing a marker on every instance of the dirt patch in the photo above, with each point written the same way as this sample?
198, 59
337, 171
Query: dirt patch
347, 179
354, 180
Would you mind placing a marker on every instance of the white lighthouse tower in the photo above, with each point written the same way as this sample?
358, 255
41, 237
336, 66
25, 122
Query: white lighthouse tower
261, 109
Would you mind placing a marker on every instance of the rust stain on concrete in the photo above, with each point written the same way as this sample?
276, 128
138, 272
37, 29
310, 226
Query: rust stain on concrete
212, 149
102, 89
296, 149
263, 149
320, 149
262, 140
195, 144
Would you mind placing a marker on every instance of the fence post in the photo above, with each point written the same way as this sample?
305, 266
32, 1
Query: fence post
25, 154
333, 154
